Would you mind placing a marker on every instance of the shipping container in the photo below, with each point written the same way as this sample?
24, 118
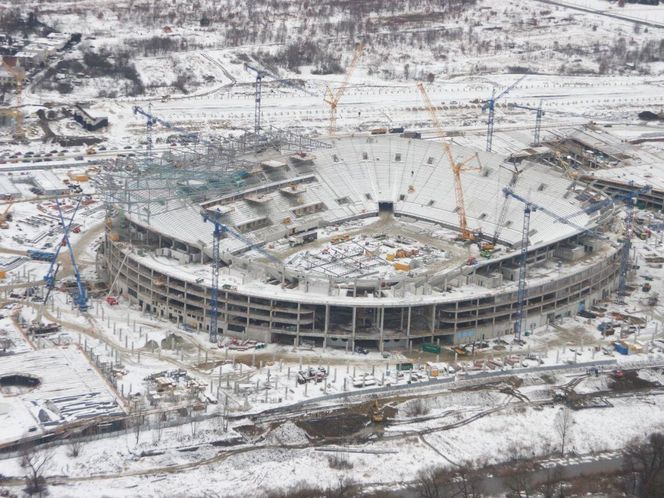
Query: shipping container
427, 347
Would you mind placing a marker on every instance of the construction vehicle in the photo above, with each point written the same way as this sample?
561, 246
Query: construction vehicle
332, 98
6, 216
377, 413
80, 298
457, 168
569, 171
490, 106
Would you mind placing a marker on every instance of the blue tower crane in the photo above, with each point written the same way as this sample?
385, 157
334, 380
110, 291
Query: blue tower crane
152, 120
529, 207
490, 106
539, 113
219, 230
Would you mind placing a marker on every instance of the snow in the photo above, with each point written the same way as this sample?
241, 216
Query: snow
220, 100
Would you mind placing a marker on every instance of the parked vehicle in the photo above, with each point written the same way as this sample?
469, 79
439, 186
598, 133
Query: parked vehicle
41, 255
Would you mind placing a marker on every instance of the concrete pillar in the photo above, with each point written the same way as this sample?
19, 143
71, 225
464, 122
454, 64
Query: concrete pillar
327, 325
297, 326
410, 309
381, 345
433, 321
352, 343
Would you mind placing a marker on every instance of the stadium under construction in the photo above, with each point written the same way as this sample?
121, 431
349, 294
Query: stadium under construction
357, 242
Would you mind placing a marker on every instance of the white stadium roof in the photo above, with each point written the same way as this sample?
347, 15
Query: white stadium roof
357, 173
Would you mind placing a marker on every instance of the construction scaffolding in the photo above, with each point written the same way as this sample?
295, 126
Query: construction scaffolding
200, 170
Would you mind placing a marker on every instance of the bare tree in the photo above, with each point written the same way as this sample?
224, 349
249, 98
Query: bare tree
551, 487
468, 480
345, 488
431, 482
563, 424
158, 427
644, 463
75, 446
35, 464
136, 421
519, 480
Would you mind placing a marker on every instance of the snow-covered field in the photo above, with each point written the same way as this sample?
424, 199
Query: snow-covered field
591, 62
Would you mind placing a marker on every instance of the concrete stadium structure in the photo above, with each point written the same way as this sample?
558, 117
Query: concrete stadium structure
391, 185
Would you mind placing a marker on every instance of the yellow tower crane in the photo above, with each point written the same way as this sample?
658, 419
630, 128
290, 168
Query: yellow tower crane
332, 98
457, 167
19, 75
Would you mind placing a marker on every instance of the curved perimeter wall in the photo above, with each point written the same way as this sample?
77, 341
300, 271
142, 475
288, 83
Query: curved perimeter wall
445, 318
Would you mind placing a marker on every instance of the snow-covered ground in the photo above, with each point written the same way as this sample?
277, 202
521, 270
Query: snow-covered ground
582, 66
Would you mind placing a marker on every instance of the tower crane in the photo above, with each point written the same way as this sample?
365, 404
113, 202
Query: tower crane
629, 199
490, 106
457, 167
258, 89
19, 75
332, 98
218, 233
539, 113
530, 207
258, 86
81, 299
153, 120
490, 246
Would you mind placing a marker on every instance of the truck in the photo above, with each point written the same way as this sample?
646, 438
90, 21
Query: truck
41, 255
621, 348
303, 238
404, 366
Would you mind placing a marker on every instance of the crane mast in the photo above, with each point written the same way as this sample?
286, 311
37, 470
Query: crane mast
490, 105
457, 168
219, 230
19, 75
333, 98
